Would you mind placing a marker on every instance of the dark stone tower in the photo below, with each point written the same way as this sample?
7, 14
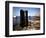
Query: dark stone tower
23, 18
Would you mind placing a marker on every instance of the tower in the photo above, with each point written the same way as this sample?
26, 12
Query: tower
23, 18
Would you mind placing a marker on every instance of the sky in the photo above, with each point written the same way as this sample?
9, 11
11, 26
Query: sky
31, 11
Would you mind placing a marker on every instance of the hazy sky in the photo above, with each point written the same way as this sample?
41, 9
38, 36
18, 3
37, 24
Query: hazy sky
31, 11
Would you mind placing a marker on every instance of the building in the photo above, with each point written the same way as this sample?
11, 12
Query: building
23, 18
